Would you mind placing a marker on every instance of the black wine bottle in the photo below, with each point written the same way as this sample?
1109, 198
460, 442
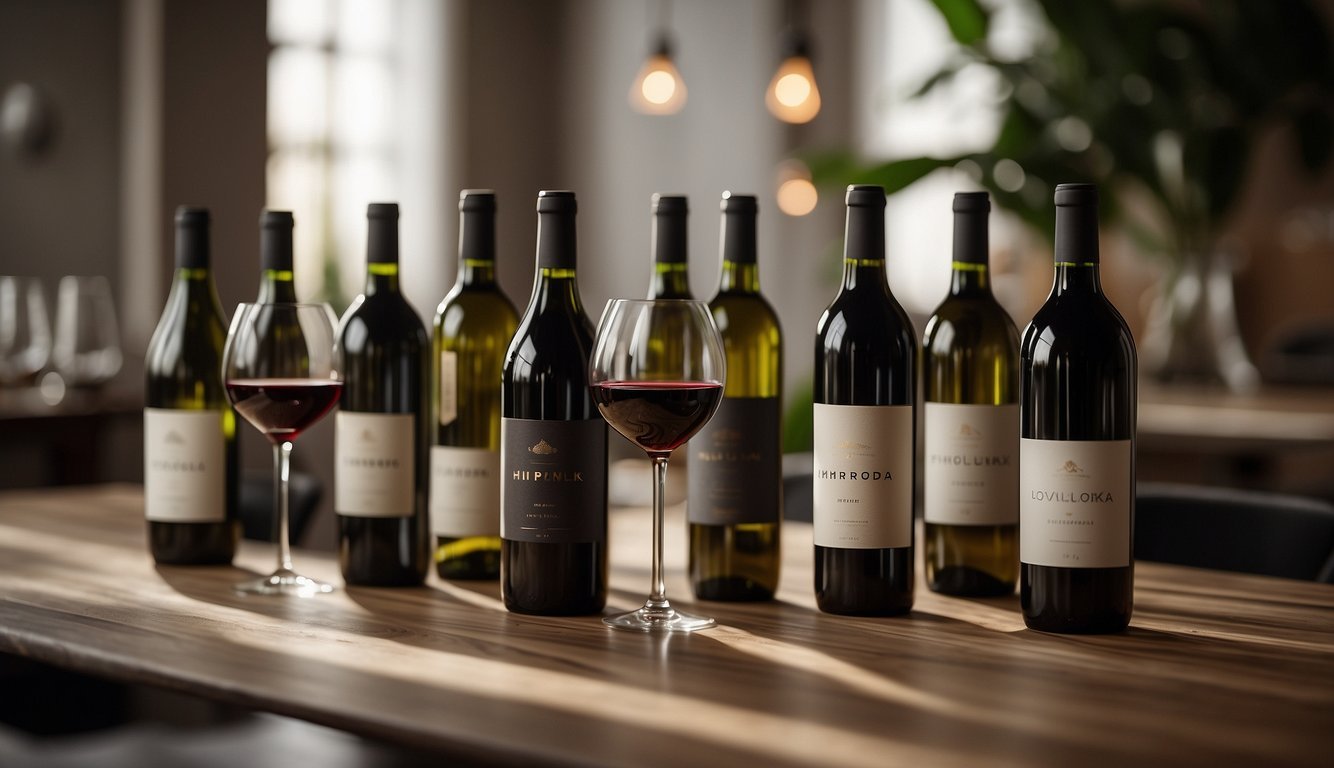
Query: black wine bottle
970, 374
735, 497
473, 327
1077, 452
671, 277
553, 441
865, 353
190, 465
380, 434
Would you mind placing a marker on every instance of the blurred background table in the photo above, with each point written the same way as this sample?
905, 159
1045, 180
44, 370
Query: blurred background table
1276, 439
1217, 668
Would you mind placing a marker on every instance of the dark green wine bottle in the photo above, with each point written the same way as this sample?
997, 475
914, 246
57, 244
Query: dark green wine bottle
190, 463
735, 501
553, 557
473, 328
1077, 453
380, 428
970, 377
865, 371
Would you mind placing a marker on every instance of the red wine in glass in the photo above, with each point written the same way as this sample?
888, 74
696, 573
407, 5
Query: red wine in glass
657, 416
283, 408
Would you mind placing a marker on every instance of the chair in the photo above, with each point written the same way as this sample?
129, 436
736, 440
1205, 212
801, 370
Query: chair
1235, 530
257, 513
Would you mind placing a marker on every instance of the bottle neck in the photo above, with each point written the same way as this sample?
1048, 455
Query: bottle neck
739, 277
556, 289
381, 277
477, 248
476, 273
1076, 250
864, 247
276, 285
741, 272
969, 278
276, 281
671, 280
1076, 277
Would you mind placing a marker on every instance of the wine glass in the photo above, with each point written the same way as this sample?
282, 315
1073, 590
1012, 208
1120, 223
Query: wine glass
25, 332
280, 373
87, 343
657, 374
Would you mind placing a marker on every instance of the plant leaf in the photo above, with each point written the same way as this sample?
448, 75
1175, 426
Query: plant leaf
967, 20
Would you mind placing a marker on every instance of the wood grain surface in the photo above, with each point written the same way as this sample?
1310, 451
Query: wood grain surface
1217, 668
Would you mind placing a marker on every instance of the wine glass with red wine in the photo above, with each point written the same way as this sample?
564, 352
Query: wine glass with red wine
657, 373
281, 374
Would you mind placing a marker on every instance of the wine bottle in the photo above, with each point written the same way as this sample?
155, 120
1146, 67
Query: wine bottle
473, 327
276, 283
970, 373
553, 497
865, 352
671, 280
735, 482
190, 465
380, 434
1077, 447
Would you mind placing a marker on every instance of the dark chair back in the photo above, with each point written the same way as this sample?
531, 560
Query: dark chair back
1235, 530
257, 513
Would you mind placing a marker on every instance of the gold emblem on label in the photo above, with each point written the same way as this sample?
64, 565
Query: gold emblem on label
174, 438
1071, 468
543, 448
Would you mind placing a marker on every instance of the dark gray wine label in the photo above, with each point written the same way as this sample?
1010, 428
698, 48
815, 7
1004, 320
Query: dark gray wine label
736, 465
553, 481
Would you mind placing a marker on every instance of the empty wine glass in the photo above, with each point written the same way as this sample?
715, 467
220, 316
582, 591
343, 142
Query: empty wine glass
657, 373
87, 342
25, 331
280, 373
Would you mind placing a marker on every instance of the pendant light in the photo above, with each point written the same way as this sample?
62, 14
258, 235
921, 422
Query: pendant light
658, 89
793, 96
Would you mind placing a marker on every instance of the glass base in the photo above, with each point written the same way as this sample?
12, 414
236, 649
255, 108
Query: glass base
284, 582
659, 618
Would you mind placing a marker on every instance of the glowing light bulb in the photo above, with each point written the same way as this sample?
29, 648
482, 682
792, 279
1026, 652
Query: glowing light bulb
658, 88
796, 195
793, 96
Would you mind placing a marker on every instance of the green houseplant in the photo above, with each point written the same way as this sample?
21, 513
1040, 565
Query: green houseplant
1160, 100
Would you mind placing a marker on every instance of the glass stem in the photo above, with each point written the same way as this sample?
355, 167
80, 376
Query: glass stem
658, 595
282, 459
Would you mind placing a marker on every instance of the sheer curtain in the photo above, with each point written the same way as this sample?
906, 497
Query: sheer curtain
359, 97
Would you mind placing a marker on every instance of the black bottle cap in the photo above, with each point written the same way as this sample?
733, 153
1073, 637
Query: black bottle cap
477, 200
382, 233
275, 240
669, 228
192, 251
738, 235
669, 205
556, 201
1076, 194
970, 227
866, 196
556, 242
864, 235
734, 203
1076, 224
477, 225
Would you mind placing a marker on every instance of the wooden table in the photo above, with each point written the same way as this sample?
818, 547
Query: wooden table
1217, 669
